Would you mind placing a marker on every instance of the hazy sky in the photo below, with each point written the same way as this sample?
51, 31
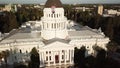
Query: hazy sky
63, 1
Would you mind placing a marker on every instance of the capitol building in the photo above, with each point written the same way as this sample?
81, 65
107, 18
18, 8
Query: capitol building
53, 36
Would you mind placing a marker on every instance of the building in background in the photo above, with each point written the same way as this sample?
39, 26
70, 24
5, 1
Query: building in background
113, 12
8, 7
100, 9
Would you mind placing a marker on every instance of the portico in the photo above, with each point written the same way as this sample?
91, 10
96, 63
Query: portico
58, 54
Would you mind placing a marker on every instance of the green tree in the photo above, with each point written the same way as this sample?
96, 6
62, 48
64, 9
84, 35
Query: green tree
100, 57
8, 22
90, 62
79, 57
35, 61
5, 55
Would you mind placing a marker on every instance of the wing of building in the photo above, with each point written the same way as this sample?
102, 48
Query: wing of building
54, 37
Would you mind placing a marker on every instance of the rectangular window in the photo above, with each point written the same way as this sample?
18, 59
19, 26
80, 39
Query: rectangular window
50, 57
62, 51
52, 15
46, 58
49, 15
49, 52
20, 51
55, 25
46, 52
62, 56
52, 26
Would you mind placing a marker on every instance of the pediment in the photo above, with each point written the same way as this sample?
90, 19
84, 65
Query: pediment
57, 45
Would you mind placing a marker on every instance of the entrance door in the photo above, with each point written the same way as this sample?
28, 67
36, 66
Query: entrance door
56, 58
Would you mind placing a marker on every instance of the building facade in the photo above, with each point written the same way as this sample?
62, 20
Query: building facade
54, 37
100, 9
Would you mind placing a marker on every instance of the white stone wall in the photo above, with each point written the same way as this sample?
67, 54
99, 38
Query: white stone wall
19, 51
89, 43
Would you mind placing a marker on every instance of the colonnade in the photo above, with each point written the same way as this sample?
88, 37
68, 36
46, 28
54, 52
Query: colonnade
63, 57
54, 26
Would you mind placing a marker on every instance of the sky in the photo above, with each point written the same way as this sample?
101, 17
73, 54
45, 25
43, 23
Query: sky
63, 1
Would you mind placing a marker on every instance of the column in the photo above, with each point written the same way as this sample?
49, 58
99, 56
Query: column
54, 58
48, 59
70, 56
65, 57
40, 55
49, 26
43, 57
42, 26
65, 25
45, 25
46, 15
59, 57
57, 26
60, 26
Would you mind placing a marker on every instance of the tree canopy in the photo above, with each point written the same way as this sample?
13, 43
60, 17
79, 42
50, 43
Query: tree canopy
35, 59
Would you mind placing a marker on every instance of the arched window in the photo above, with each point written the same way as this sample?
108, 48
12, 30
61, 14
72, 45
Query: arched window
55, 25
50, 57
52, 25
26, 51
49, 15
46, 52
49, 52
63, 51
52, 15
46, 58
62, 57
20, 51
